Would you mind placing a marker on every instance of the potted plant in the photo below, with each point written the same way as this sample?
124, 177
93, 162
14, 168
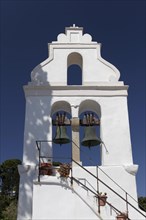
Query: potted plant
56, 166
64, 170
46, 169
122, 216
56, 163
102, 197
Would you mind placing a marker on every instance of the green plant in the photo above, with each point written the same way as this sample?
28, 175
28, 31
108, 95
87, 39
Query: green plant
142, 203
9, 184
56, 163
10, 213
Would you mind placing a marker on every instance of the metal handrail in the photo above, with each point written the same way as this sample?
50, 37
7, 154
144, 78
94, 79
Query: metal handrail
127, 202
97, 195
108, 187
73, 178
127, 194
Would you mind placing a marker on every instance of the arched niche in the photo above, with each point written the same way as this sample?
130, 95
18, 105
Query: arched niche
90, 156
60, 106
90, 105
74, 69
61, 153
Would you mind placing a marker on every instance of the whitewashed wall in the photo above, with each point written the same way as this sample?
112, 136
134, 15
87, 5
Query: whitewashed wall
100, 92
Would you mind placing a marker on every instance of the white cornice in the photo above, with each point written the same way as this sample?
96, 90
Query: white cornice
46, 90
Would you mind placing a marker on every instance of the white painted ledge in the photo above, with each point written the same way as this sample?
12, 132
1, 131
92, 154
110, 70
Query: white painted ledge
99, 90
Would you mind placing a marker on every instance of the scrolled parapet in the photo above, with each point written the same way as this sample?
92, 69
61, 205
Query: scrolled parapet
74, 37
74, 47
74, 34
131, 168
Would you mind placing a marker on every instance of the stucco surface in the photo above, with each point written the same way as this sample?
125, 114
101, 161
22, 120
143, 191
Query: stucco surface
100, 92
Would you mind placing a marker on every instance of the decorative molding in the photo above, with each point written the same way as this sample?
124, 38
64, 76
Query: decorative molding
75, 41
22, 169
75, 106
88, 91
132, 169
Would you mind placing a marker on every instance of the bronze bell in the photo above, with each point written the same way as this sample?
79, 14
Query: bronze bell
90, 139
61, 136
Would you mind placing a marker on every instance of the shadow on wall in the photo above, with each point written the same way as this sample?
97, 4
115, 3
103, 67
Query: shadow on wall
38, 125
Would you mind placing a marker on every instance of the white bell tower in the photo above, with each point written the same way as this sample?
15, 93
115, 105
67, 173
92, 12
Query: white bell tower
100, 91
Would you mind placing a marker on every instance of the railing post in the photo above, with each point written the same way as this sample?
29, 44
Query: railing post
127, 203
97, 179
39, 149
110, 209
97, 189
71, 172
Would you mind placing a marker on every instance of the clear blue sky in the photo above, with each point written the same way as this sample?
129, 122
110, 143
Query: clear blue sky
27, 27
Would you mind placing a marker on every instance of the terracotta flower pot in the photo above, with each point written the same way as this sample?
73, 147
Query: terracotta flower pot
64, 170
121, 216
46, 169
102, 200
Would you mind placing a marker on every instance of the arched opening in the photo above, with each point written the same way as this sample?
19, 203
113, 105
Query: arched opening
74, 69
74, 75
90, 155
61, 152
